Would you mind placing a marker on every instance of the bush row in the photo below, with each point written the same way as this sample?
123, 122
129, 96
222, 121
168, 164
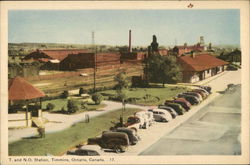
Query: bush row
134, 100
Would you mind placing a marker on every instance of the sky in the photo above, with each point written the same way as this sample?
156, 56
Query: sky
111, 27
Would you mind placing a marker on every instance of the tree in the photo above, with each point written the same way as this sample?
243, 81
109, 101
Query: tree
97, 98
123, 83
72, 106
162, 69
234, 56
65, 94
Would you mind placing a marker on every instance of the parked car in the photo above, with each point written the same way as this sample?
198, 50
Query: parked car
192, 99
184, 100
202, 93
134, 122
150, 117
169, 109
184, 104
194, 94
86, 150
207, 88
161, 115
205, 91
177, 107
117, 141
132, 135
144, 117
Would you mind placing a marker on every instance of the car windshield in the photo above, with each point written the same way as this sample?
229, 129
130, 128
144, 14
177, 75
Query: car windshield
93, 153
131, 120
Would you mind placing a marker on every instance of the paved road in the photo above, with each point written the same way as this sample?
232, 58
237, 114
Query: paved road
214, 130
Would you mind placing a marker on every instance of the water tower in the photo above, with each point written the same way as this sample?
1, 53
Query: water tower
202, 41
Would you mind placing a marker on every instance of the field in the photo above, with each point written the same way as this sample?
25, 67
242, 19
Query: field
59, 142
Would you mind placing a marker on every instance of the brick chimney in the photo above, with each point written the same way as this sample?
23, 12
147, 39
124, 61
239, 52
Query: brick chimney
129, 44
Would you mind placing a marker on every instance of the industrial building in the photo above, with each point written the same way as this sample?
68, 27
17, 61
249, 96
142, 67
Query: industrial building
89, 60
187, 49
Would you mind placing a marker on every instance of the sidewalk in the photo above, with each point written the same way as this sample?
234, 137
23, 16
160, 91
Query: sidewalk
59, 122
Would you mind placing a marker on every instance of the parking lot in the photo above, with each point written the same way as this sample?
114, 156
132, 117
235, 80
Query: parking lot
215, 131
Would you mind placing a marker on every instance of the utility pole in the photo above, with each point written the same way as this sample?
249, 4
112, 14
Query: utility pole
94, 51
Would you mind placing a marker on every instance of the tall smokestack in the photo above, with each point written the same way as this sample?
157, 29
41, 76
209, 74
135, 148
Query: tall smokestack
129, 46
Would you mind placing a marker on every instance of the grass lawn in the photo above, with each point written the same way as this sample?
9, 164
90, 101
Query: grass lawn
59, 142
168, 92
59, 103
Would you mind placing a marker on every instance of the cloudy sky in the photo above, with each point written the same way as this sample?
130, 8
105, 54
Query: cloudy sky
111, 26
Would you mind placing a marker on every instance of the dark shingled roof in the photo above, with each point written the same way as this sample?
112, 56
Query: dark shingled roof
200, 62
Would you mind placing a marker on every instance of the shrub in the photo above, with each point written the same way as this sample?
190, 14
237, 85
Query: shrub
50, 106
133, 99
91, 90
72, 106
63, 110
97, 98
46, 98
84, 104
81, 91
65, 94
14, 108
99, 89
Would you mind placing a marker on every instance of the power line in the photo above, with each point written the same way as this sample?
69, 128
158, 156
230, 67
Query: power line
95, 52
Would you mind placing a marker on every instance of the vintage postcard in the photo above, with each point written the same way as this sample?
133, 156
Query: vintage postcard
131, 82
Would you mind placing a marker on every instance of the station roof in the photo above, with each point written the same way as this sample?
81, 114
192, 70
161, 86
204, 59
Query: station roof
200, 62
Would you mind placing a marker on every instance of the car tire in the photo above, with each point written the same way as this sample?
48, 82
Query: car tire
118, 149
163, 120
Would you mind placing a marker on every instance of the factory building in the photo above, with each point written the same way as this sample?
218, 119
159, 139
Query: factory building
88, 60
187, 49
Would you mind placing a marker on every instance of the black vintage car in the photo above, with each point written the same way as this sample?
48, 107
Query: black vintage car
133, 137
169, 109
177, 107
207, 88
192, 99
86, 150
117, 141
